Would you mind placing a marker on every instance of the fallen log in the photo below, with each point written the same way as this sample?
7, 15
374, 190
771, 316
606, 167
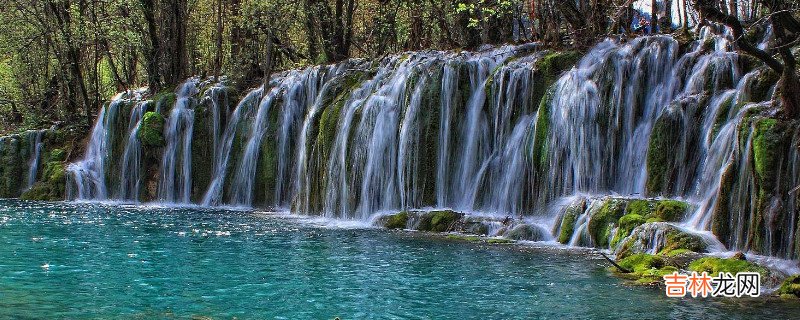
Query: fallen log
616, 265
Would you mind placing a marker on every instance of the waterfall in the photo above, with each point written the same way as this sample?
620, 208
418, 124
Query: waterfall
245, 175
176, 173
36, 145
130, 180
220, 167
488, 133
88, 176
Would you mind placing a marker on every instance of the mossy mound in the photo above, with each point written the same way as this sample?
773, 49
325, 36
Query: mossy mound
714, 266
568, 220
602, 221
397, 221
790, 288
151, 130
660, 238
645, 268
664, 140
463, 237
52, 186
611, 220
626, 224
439, 221
57, 155
767, 140
526, 232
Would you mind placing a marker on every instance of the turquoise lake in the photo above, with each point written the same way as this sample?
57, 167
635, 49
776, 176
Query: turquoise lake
93, 261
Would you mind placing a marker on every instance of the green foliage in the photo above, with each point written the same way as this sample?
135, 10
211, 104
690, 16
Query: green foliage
151, 130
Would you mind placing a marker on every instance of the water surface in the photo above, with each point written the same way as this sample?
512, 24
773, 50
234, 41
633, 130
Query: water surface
85, 261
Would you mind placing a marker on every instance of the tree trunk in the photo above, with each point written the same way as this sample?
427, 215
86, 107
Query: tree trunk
153, 50
654, 17
218, 57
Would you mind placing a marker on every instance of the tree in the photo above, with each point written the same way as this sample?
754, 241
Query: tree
786, 29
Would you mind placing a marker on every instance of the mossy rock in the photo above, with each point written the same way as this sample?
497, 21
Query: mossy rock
463, 237
645, 269
763, 84
165, 100
714, 266
678, 242
790, 288
671, 210
499, 241
553, 64
439, 221
603, 220
397, 221
568, 221
151, 130
767, 141
57, 155
626, 224
661, 238
52, 186
664, 140
525, 232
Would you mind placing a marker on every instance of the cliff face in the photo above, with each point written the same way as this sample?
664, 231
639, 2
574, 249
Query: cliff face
31, 166
514, 131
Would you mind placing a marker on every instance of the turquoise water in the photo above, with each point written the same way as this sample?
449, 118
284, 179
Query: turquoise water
77, 261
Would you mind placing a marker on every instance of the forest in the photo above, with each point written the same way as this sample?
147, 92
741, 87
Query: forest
63, 59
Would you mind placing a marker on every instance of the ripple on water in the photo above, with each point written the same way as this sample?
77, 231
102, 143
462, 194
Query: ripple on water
85, 260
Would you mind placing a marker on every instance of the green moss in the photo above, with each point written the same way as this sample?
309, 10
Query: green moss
151, 130
57, 155
540, 143
553, 64
626, 224
438, 221
676, 252
165, 100
679, 240
602, 222
52, 187
645, 268
567, 227
499, 241
463, 238
664, 140
766, 142
671, 210
640, 207
397, 221
714, 265
790, 288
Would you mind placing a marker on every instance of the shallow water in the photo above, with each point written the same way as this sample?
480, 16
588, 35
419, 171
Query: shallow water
66, 260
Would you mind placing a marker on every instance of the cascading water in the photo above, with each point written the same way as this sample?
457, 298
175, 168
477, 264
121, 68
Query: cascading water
130, 180
88, 176
176, 173
36, 145
484, 133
